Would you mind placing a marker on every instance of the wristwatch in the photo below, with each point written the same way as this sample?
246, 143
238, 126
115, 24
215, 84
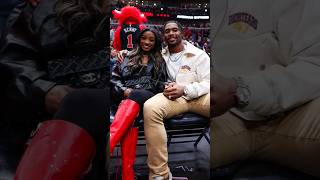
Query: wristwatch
185, 92
243, 93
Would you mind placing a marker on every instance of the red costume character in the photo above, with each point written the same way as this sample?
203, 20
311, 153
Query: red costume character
130, 21
126, 36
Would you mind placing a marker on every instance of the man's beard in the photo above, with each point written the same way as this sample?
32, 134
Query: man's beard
177, 43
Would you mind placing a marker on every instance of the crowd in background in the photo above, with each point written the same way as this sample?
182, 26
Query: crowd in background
199, 37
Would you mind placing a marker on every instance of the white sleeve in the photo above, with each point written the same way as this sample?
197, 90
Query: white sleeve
282, 87
202, 86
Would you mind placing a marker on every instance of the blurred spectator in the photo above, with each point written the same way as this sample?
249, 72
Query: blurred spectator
187, 32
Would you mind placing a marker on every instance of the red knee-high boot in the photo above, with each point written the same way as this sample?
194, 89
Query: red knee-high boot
128, 153
60, 150
126, 114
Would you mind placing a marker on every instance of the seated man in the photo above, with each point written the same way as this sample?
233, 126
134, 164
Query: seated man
188, 69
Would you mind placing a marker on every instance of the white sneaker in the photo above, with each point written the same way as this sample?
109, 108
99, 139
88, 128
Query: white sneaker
170, 176
162, 178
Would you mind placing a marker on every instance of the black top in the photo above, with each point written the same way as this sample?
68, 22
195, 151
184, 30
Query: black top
33, 37
142, 77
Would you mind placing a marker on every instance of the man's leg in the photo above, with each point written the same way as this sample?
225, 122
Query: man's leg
155, 110
294, 141
200, 105
230, 140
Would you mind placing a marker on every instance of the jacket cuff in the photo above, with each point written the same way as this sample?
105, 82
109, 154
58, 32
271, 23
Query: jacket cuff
190, 92
261, 96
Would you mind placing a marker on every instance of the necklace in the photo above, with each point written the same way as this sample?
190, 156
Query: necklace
144, 60
176, 56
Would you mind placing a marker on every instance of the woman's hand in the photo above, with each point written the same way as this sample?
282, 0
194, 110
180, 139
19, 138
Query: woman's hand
121, 55
54, 97
127, 92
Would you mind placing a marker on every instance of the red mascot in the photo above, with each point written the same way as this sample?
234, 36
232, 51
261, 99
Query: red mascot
130, 21
126, 36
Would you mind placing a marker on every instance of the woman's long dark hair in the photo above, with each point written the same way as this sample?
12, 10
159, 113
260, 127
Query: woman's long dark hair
136, 54
71, 13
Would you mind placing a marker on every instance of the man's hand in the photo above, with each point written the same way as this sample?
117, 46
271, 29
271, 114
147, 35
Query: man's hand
173, 91
121, 55
33, 2
222, 95
54, 97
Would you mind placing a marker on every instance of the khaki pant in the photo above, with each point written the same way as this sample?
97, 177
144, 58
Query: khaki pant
155, 110
292, 141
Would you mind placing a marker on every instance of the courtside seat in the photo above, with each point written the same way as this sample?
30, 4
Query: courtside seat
184, 125
187, 125
187, 120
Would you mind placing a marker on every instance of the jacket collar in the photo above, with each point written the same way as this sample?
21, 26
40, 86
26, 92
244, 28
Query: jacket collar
189, 50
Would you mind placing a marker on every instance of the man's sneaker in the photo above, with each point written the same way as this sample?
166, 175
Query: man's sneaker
162, 178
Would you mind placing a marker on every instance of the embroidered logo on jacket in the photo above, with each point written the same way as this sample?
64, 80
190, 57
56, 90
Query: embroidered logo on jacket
241, 21
184, 69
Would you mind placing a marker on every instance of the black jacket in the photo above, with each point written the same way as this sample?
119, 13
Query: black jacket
142, 77
32, 39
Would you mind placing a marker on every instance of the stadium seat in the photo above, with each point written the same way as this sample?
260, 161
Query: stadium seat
184, 125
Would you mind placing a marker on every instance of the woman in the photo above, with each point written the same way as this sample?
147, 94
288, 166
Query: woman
39, 39
136, 79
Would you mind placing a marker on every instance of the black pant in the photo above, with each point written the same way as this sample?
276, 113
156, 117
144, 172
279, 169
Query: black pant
140, 96
89, 109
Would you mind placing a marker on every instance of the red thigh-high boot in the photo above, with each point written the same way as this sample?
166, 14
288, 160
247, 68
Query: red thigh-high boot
60, 150
126, 114
128, 153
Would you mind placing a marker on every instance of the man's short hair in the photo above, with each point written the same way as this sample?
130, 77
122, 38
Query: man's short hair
176, 22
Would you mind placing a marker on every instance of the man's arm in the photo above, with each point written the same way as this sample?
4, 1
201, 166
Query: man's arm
197, 89
282, 87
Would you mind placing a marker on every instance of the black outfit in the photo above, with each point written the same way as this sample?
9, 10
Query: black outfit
34, 39
40, 54
142, 79
36, 48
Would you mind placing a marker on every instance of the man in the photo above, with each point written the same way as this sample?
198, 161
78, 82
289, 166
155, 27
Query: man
189, 73
266, 65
